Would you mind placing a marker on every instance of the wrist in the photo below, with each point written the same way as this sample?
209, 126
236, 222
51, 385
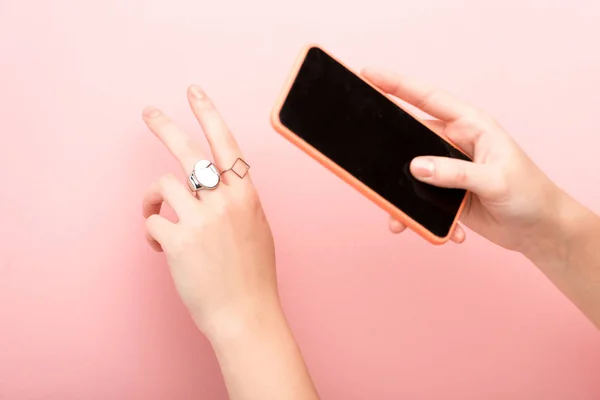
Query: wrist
250, 319
563, 219
258, 355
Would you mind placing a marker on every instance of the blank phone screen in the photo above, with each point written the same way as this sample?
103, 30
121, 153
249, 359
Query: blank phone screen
370, 137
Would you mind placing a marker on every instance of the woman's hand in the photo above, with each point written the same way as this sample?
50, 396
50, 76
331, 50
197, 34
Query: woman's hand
511, 201
220, 250
222, 260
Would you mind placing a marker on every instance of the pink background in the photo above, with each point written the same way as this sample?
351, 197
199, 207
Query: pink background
87, 311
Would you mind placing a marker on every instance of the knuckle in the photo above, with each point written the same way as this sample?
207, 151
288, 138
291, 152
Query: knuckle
469, 121
246, 197
500, 184
221, 208
493, 182
182, 242
228, 138
426, 99
188, 148
461, 176
205, 104
451, 132
166, 180
196, 222
246, 191
486, 119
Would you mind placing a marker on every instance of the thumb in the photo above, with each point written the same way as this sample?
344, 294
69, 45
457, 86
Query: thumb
452, 173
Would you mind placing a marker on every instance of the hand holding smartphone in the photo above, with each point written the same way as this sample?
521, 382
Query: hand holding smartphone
360, 134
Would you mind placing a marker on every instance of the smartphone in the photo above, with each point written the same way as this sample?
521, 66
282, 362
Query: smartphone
365, 138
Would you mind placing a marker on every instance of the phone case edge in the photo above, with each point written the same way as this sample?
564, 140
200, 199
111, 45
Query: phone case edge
341, 173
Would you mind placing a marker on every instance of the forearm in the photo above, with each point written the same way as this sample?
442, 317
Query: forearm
568, 253
259, 359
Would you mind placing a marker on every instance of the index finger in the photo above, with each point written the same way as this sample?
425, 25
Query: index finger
179, 143
433, 101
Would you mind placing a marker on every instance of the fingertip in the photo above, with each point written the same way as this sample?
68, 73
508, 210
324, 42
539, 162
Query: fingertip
196, 92
422, 167
396, 226
153, 243
151, 202
459, 235
150, 112
367, 71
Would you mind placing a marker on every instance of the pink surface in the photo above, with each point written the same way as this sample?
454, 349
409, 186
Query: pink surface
88, 311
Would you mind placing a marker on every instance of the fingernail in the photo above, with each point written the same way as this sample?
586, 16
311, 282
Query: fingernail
151, 112
423, 167
196, 92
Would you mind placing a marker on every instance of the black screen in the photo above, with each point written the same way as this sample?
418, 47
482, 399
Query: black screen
369, 136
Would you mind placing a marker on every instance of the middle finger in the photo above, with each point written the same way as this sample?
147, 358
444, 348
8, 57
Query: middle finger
222, 142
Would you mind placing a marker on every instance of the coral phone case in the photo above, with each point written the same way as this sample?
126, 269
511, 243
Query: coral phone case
342, 173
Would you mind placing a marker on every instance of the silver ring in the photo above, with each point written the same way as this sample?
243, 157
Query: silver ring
204, 176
